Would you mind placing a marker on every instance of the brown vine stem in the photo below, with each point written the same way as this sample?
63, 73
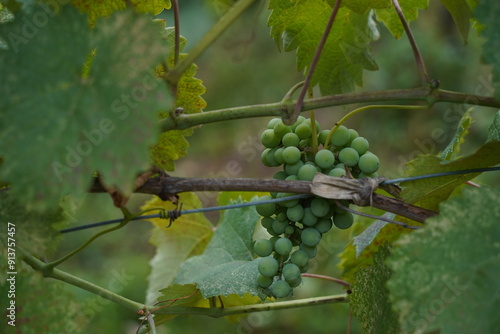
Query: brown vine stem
165, 187
420, 94
290, 119
416, 53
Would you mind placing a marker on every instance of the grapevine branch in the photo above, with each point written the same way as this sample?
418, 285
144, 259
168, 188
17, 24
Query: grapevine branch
165, 187
420, 94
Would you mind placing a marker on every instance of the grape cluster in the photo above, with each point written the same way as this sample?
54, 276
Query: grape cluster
297, 225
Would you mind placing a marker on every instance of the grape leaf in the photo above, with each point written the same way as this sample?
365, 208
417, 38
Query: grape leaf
226, 266
370, 297
446, 275
391, 19
494, 130
300, 25
361, 6
188, 236
487, 13
57, 128
429, 192
172, 145
461, 14
366, 237
453, 148
104, 8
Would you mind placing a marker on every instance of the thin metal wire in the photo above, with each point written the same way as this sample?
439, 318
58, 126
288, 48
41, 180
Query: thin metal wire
428, 176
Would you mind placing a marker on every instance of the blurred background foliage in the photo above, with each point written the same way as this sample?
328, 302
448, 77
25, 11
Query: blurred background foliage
242, 68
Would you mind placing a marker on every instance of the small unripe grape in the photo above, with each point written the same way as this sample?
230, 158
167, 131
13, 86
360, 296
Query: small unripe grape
279, 226
290, 155
290, 139
300, 257
369, 163
307, 172
310, 236
266, 210
278, 155
323, 225
289, 230
352, 135
273, 122
309, 219
290, 272
287, 204
283, 246
324, 158
299, 121
292, 177
360, 144
269, 138
268, 266
343, 220
263, 157
349, 156
322, 137
337, 172
308, 121
281, 129
263, 281
267, 222
280, 289
271, 158
279, 175
263, 247
296, 282
320, 207
295, 213
341, 136
304, 131
293, 169
311, 251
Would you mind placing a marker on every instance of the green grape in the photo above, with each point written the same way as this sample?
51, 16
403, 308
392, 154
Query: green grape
281, 129
305, 268
309, 219
292, 177
322, 137
349, 156
278, 155
263, 247
296, 282
295, 213
305, 143
338, 209
343, 220
353, 134
320, 207
280, 289
290, 272
311, 251
283, 246
360, 144
369, 163
300, 257
304, 131
282, 215
263, 157
290, 139
289, 230
341, 136
308, 121
279, 226
324, 158
266, 210
372, 175
267, 222
323, 225
291, 155
307, 172
310, 236
268, 266
273, 122
287, 204
263, 281
269, 138
271, 159
337, 172
293, 169
279, 175
299, 121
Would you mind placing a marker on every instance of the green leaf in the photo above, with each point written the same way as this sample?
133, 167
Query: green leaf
453, 148
446, 275
367, 236
487, 13
186, 237
361, 6
461, 14
226, 266
494, 130
104, 8
391, 19
57, 128
370, 297
429, 192
300, 25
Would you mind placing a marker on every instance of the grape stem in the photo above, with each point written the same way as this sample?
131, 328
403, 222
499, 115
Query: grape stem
355, 111
328, 278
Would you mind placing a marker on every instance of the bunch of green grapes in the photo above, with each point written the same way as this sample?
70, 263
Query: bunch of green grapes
297, 226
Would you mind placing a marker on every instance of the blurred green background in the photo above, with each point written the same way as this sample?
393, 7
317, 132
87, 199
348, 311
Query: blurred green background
242, 68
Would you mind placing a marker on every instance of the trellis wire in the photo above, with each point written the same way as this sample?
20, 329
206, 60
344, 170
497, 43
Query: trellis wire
173, 214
